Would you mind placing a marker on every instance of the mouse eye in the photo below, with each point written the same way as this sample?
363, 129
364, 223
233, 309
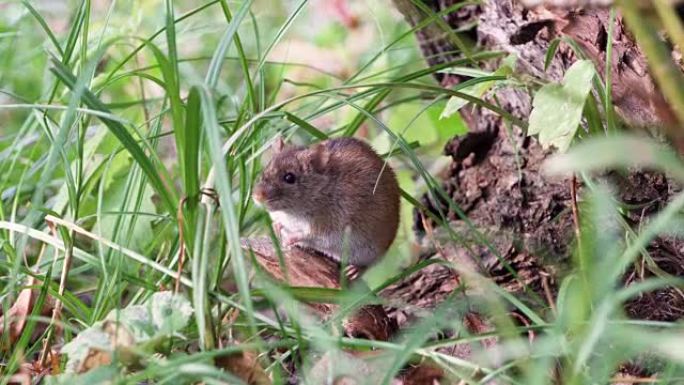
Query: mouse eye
289, 178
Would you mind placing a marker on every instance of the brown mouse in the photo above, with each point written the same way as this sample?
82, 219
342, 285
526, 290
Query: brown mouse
334, 197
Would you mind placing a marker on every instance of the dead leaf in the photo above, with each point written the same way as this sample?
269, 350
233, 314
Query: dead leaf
94, 347
21, 309
17, 314
20, 379
422, 374
94, 359
477, 324
246, 366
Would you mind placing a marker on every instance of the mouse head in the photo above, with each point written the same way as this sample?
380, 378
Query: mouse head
295, 180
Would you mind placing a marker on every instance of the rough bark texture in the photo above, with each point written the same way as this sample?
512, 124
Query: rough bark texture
372, 321
496, 180
309, 270
507, 25
495, 177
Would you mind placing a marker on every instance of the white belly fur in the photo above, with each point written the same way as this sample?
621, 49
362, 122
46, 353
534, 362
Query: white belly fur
292, 227
290, 222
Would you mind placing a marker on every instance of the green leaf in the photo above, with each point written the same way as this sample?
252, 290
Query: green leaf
306, 126
455, 103
127, 140
192, 137
410, 121
136, 326
557, 108
225, 191
447, 127
44, 25
219, 54
91, 161
138, 322
550, 53
623, 151
170, 312
119, 199
477, 90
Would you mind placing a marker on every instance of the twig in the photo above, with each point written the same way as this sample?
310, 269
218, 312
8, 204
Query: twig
181, 234
526, 323
68, 254
547, 291
634, 380
575, 210
181, 241
430, 233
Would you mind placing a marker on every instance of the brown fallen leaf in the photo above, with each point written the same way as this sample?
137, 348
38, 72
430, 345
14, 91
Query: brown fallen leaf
422, 374
21, 309
94, 359
20, 379
95, 346
246, 366
17, 315
37, 369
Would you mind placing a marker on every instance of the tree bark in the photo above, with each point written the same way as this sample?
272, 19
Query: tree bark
496, 177
304, 269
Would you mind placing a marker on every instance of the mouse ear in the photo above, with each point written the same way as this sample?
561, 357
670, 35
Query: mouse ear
320, 156
278, 145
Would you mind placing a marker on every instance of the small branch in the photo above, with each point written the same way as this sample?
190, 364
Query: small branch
57, 310
575, 210
181, 241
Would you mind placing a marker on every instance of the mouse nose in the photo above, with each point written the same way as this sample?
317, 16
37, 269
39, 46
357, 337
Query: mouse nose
259, 194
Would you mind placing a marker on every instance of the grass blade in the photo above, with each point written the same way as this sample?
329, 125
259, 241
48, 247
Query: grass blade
217, 60
225, 192
131, 145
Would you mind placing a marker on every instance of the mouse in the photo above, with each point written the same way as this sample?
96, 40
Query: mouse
337, 197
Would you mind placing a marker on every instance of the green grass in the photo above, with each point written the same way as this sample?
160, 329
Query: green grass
118, 124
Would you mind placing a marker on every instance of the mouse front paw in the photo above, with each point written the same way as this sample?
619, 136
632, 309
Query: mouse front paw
352, 272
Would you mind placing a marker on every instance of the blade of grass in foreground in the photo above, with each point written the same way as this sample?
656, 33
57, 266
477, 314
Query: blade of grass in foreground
217, 60
281, 32
131, 145
43, 24
89, 258
225, 192
137, 49
192, 136
200, 264
242, 57
169, 69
